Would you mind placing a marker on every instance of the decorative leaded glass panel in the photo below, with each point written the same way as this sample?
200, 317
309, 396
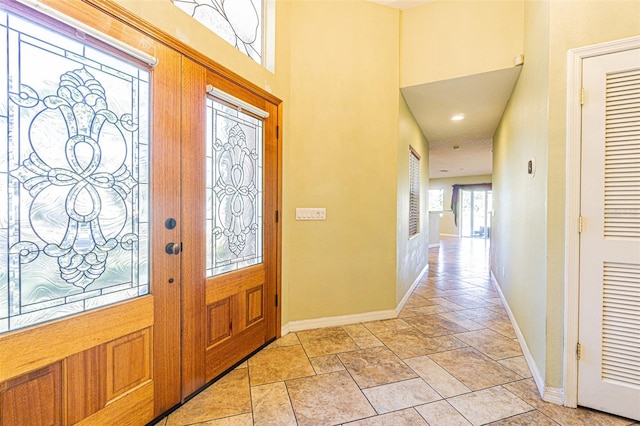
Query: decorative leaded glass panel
74, 122
239, 22
234, 189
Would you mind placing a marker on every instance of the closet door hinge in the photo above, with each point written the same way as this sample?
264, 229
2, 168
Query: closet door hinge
582, 96
277, 132
578, 351
580, 224
277, 216
276, 300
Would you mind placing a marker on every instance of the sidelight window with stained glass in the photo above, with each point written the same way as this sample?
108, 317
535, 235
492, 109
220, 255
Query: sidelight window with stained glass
74, 227
234, 168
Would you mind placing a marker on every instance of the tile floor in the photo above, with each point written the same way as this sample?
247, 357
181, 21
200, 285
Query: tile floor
450, 358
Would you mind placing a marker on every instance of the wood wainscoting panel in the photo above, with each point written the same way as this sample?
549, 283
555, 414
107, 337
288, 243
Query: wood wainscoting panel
128, 363
33, 399
86, 375
255, 305
219, 321
136, 409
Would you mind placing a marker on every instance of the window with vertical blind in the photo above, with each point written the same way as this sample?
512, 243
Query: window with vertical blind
414, 192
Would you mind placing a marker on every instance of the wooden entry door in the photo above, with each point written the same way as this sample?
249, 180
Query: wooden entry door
609, 303
90, 300
230, 229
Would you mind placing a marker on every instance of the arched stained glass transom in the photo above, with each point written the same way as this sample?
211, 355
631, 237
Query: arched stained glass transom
239, 22
74, 123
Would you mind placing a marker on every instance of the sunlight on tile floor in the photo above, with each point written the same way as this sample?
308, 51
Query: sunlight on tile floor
450, 358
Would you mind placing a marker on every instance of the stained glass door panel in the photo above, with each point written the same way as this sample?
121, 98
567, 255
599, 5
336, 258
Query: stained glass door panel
74, 215
234, 164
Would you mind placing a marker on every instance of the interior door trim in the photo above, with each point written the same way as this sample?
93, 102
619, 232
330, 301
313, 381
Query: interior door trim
575, 58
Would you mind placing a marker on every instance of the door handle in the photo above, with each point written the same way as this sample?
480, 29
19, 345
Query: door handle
172, 248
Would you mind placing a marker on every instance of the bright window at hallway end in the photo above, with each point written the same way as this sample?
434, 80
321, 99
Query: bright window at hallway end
436, 200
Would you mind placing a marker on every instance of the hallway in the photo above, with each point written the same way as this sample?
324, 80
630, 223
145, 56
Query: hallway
451, 358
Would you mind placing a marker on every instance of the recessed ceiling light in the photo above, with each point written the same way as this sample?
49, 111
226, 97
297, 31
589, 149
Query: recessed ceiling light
458, 117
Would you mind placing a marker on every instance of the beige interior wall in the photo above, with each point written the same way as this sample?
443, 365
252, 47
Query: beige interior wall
447, 223
342, 138
519, 248
448, 39
573, 24
532, 209
412, 253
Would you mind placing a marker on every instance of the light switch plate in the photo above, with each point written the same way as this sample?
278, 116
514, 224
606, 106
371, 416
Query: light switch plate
318, 213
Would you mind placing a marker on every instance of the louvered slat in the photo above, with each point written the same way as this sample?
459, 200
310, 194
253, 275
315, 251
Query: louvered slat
621, 323
622, 156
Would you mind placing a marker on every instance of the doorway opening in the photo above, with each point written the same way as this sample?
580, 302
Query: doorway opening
475, 218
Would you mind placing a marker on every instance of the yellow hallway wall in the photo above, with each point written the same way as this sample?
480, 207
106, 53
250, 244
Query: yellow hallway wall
342, 156
448, 39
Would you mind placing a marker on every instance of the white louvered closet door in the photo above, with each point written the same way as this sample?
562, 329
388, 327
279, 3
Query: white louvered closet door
609, 310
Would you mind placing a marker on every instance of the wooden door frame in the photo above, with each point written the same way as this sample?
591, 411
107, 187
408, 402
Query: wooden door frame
575, 58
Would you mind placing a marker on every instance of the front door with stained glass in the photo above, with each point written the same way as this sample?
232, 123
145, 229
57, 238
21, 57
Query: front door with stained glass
234, 191
80, 284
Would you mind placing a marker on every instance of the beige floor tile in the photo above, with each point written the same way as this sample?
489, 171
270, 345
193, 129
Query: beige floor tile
430, 310
447, 304
406, 313
468, 301
489, 405
271, 405
500, 324
290, 339
362, 336
326, 341
475, 370
527, 419
518, 365
399, 395
437, 377
240, 420
278, 364
229, 396
415, 301
407, 343
441, 413
492, 344
479, 313
328, 399
376, 366
326, 364
435, 325
458, 318
450, 342
386, 325
408, 417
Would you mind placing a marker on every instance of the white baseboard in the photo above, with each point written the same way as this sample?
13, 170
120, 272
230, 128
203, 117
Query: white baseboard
310, 324
337, 321
413, 286
434, 245
450, 235
553, 395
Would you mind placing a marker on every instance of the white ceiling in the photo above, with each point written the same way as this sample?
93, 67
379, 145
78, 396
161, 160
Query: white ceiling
481, 97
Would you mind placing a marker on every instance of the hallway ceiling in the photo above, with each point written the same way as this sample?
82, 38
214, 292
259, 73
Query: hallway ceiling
482, 99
